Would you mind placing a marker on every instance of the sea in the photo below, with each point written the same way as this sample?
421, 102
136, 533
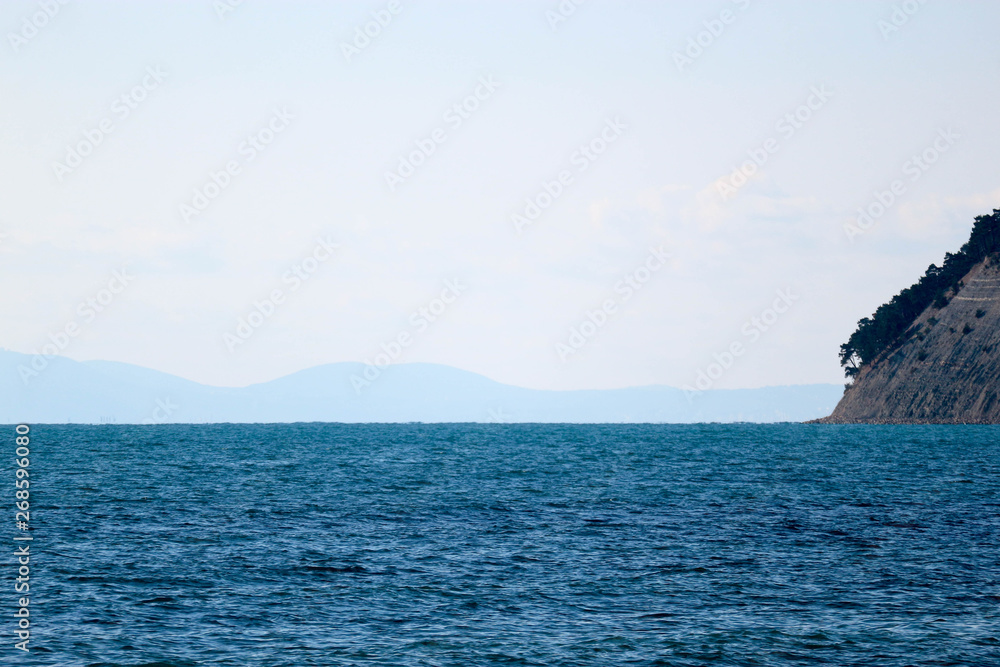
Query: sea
463, 545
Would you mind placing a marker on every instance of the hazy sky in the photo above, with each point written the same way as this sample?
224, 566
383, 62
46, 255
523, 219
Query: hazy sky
116, 117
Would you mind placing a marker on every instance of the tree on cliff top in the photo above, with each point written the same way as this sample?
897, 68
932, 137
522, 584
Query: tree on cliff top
890, 325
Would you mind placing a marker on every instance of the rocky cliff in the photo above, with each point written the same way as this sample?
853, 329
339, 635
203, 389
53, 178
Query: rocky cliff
945, 369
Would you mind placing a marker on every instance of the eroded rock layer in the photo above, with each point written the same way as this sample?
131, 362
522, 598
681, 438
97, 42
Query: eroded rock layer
947, 370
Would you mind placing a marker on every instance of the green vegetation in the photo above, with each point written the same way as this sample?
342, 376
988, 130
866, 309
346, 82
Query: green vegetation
891, 324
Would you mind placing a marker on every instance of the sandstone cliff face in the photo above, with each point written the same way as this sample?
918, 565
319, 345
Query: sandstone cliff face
946, 372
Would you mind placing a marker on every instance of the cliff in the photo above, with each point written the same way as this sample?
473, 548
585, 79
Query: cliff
945, 368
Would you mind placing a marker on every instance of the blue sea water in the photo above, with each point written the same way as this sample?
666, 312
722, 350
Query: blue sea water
467, 545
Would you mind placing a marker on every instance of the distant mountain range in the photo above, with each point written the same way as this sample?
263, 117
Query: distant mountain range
68, 391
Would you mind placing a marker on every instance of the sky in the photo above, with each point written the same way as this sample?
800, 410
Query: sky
555, 195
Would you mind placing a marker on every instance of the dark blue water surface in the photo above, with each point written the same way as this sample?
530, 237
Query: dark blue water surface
465, 545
